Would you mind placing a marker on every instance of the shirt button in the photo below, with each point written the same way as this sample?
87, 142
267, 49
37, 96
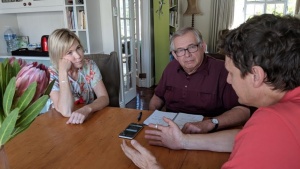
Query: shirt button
185, 86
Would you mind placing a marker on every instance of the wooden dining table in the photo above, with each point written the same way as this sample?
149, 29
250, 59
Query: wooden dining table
50, 143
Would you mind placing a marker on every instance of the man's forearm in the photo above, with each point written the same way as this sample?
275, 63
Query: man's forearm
221, 141
234, 117
155, 103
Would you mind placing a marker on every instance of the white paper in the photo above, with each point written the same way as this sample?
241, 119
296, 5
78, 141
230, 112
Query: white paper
183, 118
179, 118
157, 117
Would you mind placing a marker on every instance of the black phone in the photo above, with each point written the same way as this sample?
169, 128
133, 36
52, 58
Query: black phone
131, 131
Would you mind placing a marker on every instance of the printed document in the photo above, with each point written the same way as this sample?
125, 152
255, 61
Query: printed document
179, 118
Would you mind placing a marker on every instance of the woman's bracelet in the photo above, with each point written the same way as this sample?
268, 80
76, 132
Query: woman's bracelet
63, 81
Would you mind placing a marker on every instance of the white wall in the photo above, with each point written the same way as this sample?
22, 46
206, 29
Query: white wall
107, 26
7, 20
35, 25
201, 22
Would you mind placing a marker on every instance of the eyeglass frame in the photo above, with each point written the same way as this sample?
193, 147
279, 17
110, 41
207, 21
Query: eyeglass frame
187, 49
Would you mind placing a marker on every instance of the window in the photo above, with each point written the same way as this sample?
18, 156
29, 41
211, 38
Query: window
250, 8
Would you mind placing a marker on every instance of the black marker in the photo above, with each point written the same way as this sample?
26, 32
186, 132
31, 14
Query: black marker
140, 116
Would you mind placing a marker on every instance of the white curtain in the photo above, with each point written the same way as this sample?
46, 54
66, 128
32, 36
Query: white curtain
222, 14
297, 6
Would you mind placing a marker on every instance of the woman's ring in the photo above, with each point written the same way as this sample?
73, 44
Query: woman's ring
156, 126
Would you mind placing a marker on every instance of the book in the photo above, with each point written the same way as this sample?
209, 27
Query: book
80, 17
179, 118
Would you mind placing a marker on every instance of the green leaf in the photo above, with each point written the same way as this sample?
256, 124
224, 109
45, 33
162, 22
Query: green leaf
19, 130
49, 87
16, 68
32, 111
2, 117
9, 95
26, 97
1, 73
2, 78
8, 126
9, 73
5, 62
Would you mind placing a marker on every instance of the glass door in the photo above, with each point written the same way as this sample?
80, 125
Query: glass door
129, 44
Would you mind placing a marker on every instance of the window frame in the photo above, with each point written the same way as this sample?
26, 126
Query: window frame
265, 3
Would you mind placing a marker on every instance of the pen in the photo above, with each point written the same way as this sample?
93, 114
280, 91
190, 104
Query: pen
140, 116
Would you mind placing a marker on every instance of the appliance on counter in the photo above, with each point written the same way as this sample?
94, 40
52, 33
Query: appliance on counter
44, 43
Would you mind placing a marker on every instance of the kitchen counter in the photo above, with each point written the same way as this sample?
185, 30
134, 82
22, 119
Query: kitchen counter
7, 55
40, 59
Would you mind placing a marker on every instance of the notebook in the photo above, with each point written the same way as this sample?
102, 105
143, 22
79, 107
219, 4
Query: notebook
179, 118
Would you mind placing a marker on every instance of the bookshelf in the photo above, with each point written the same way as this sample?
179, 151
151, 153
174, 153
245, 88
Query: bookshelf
173, 15
77, 19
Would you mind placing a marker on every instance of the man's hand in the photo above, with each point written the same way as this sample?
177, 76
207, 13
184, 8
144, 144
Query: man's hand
139, 155
170, 136
198, 127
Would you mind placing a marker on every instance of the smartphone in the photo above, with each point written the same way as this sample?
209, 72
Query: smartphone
131, 131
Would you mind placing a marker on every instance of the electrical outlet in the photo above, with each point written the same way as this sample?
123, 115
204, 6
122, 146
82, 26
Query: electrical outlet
142, 75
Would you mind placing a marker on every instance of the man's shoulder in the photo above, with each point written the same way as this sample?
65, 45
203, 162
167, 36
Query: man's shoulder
172, 65
214, 60
217, 56
215, 64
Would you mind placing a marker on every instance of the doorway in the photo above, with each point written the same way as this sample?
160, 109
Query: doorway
134, 41
128, 38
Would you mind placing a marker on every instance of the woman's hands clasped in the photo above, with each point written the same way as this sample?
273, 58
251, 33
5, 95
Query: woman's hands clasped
77, 117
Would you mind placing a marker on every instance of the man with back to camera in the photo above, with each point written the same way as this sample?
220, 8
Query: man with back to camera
196, 84
263, 61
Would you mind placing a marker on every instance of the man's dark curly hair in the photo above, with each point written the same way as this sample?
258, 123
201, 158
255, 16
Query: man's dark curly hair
271, 42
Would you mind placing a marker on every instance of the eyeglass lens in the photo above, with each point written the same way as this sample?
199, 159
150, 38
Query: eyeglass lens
191, 49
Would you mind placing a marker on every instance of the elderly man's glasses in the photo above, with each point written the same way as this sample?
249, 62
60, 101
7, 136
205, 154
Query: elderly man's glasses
192, 48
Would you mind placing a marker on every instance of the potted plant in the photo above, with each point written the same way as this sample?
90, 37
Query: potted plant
24, 91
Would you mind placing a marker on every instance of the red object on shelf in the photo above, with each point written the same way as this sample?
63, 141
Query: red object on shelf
44, 43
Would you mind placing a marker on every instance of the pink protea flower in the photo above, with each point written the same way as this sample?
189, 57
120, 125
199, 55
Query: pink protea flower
32, 73
21, 62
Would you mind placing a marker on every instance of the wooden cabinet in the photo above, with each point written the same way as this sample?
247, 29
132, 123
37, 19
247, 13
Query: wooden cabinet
83, 18
21, 6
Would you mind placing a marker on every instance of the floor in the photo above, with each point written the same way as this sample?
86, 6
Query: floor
142, 99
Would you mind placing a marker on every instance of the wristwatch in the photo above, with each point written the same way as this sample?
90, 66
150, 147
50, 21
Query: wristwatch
216, 122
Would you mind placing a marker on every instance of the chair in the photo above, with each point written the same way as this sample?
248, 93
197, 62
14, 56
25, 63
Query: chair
110, 71
217, 56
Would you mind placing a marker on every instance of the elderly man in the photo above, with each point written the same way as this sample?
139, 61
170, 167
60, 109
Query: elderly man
195, 83
263, 61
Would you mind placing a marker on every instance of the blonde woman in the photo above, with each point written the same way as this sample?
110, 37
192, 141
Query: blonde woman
78, 80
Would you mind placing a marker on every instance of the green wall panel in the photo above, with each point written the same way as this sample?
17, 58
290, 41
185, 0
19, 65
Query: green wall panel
161, 37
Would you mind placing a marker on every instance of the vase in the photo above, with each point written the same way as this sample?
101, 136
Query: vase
3, 159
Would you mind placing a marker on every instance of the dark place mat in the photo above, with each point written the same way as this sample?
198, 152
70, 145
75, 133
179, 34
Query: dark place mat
26, 52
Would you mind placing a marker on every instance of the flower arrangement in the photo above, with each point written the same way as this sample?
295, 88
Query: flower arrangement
24, 91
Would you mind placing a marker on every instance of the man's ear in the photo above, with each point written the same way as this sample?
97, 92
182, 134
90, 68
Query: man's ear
258, 76
174, 54
203, 46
